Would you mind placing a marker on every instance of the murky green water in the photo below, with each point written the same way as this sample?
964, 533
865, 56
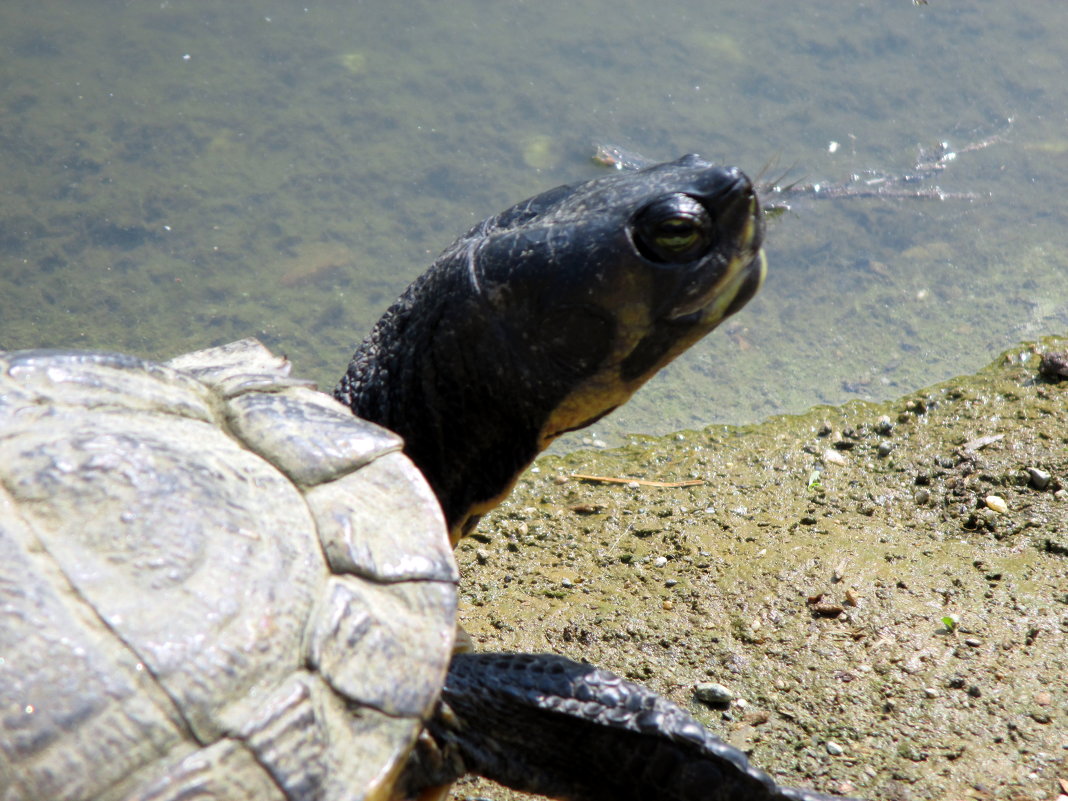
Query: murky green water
177, 173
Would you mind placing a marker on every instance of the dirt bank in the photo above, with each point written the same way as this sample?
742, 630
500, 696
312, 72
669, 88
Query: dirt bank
887, 626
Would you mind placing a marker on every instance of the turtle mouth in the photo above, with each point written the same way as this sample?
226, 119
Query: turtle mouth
728, 279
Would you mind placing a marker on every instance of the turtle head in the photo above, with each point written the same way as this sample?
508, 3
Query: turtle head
549, 315
595, 288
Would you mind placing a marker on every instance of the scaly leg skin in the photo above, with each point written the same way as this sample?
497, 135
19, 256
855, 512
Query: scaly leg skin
544, 724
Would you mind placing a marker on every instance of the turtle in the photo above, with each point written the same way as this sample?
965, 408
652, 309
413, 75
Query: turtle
199, 574
217, 582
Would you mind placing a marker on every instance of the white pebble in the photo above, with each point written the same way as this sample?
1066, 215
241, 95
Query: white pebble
834, 457
710, 692
996, 503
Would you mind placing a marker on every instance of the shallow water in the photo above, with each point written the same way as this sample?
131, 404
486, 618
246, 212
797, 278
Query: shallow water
175, 174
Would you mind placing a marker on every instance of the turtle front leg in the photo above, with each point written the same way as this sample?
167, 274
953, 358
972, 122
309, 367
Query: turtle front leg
545, 724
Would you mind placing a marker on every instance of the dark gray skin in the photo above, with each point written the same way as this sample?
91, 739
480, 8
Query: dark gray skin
549, 315
538, 321
544, 724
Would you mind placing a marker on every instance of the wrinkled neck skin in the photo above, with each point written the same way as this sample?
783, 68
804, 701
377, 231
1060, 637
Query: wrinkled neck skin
477, 386
543, 319
437, 370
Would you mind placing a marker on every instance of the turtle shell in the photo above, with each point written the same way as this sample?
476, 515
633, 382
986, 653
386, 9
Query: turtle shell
215, 582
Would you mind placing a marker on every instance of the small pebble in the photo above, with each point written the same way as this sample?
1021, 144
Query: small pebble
668, 606
930, 692
834, 749
671, 582
834, 457
884, 426
884, 448
996, 503
1039, 478
916, 406
972, 642
921, 497
482, 556
709, 692
660, 561
1043, 698
567, 583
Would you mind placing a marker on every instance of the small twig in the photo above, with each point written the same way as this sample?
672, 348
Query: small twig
692, 482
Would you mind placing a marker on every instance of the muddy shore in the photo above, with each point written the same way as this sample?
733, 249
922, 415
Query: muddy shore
881, 588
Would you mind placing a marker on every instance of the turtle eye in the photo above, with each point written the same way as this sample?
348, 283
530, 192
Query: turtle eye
674, 228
